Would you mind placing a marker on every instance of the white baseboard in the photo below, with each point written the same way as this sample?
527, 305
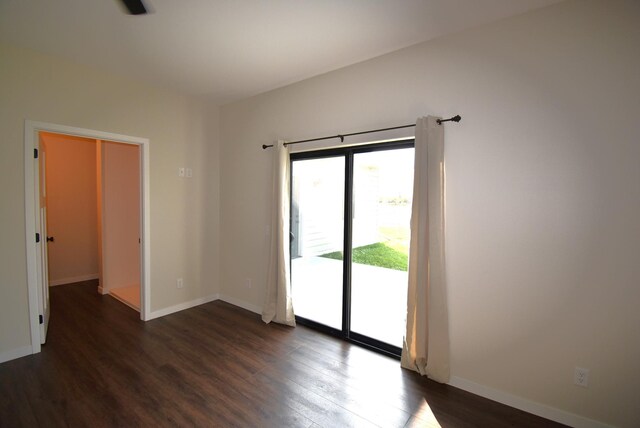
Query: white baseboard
186, 305
181, 306
241, 304
528, 406
74, 279
15, 353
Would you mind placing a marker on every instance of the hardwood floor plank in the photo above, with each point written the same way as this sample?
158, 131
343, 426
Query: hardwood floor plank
320, 410
358, 401
218, 365
392, 385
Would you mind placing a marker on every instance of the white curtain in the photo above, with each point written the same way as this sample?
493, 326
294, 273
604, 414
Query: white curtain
277, 305
426, 344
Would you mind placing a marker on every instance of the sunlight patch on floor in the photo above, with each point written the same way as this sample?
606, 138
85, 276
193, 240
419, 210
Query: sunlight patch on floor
424, 417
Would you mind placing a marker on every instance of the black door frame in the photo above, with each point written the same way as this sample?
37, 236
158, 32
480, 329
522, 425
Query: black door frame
348, 153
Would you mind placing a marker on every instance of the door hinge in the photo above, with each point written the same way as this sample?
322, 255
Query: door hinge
35, 153
37, 238
41, 319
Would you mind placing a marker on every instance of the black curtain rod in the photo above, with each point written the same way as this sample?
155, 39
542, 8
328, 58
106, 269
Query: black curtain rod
455, 118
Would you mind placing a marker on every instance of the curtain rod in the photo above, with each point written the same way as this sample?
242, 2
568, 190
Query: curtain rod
455, 118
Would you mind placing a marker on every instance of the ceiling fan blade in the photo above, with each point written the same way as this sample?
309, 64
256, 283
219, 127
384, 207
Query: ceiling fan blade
135, 7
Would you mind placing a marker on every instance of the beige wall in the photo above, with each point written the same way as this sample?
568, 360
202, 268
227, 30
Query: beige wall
543, 192
71, 207
120, 215
182, 132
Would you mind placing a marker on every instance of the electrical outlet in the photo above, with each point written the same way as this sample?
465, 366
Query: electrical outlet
247, 282
179, 283
189, 173
581, 377
180, 172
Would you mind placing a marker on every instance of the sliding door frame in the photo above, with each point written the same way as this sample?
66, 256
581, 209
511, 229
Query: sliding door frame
348, 153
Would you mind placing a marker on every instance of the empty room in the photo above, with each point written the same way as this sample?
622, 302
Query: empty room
338, 213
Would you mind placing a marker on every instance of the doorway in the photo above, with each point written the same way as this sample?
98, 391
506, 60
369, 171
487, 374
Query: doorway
36, 232
93, 213
350, 216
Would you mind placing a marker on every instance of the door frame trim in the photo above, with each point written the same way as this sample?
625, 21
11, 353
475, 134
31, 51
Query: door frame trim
32, 130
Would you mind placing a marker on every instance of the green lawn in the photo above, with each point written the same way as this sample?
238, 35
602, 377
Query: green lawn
387, 255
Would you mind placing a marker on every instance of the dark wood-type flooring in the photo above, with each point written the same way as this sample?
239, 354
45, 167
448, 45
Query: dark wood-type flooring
218, 365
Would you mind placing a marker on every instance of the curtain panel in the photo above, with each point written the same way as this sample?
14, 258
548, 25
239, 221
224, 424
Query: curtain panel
426, 343
278, 306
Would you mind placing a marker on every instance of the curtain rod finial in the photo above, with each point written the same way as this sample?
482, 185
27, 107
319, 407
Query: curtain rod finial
456, 118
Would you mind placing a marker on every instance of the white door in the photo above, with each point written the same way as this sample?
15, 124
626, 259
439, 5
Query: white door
41, 246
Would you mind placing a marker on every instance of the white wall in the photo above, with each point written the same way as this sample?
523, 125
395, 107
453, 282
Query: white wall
543, 192
184, 213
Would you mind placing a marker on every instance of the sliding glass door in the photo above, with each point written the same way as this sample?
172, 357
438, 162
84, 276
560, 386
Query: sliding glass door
382, 189
317, 228
350, 215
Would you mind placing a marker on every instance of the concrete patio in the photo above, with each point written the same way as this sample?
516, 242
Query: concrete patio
378, 297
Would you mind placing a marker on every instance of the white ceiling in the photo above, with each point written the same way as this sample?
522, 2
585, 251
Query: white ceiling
232, 49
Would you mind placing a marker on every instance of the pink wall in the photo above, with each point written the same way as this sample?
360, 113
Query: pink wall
71, 210
120, 215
